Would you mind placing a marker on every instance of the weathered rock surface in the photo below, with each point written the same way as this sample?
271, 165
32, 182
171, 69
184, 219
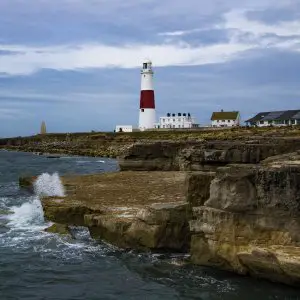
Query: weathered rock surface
250, 223
198, 187
202, 155
59, 228
27, 182
141, 210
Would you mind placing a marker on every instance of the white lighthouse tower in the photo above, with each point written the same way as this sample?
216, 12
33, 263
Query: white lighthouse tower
147, 117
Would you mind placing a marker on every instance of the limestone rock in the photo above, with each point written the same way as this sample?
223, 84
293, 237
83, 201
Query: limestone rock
27, 182
251, 222
140, 210
233, 190
59, 228
201, 155
159, 226
198, 187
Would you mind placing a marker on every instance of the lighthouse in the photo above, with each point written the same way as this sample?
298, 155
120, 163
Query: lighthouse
147, 115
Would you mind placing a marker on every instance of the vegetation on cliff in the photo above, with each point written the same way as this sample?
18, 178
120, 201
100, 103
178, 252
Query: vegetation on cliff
112, 144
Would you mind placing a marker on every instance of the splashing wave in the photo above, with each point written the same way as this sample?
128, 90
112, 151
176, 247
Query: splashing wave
49, 185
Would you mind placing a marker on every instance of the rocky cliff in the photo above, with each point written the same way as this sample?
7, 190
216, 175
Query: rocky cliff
234, 204
240, 145
202, 155
250, 221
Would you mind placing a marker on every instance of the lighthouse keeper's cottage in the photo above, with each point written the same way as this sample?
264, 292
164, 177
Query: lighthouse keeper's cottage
225, 119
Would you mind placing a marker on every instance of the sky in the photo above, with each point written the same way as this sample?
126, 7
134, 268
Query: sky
76, 63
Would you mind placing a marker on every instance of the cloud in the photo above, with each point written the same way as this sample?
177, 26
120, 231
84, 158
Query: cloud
243, 34
237, 19
13, 114
34, 59
181, 32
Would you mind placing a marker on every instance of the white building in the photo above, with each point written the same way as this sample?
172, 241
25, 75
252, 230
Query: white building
124, 128
180, 120
275, 118
225, 119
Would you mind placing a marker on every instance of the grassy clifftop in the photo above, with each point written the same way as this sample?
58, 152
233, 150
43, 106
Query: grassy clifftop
111, 144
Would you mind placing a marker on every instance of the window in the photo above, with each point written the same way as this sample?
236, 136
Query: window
164, 126
142, 110
223, 121
261, 122
293, 121
163, 120
218, 121
178, 126
179, 120
173, 126
228, 121
145, 66
174, 120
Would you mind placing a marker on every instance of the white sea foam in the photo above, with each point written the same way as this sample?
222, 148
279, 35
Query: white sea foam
29, 214
26, 224
49, 185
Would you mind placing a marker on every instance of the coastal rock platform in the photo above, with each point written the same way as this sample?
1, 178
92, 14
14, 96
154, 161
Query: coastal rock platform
141, 210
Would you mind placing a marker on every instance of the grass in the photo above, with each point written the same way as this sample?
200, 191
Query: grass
111, 144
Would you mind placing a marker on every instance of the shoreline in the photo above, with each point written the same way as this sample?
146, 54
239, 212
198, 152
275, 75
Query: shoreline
233, 204
54, 154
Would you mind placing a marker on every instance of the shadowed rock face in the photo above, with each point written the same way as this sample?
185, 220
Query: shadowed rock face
250, 223
201, 155
27, 182
158, 226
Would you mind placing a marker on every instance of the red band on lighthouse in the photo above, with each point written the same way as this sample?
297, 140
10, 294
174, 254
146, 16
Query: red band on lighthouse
147, 99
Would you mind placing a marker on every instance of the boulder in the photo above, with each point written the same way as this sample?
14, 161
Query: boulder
27, 182
59, 228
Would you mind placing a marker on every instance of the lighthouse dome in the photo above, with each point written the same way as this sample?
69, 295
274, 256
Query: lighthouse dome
147, 61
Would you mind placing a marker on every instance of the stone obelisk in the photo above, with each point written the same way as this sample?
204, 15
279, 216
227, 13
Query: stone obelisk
43, 128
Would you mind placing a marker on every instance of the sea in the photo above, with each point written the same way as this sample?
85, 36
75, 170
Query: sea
37, 265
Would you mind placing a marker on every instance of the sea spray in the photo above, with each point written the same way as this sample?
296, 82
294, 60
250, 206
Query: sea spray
31, 213
49, 185
28, 214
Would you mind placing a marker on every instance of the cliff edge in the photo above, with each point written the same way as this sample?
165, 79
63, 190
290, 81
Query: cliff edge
250, 222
